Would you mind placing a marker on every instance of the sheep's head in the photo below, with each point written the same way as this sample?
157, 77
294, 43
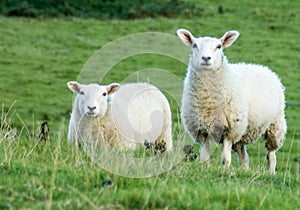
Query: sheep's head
207, 51
92, 97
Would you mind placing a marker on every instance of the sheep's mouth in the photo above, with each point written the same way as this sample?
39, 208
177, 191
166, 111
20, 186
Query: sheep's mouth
205, 64
91, 114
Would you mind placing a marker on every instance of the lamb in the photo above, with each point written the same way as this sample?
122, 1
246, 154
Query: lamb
122, 116
233, 104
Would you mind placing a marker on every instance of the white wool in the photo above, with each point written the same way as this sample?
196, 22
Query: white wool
233, 104
108, 113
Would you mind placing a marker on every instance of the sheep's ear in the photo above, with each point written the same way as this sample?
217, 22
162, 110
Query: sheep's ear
113, 87
228, 38
186, 37
74, 86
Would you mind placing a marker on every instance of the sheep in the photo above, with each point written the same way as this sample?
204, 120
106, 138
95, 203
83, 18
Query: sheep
123, 116
233, 104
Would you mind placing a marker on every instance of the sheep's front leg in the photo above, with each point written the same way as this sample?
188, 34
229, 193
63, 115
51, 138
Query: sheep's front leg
271, 157
243, 157
204, 151
70, 133
226, 154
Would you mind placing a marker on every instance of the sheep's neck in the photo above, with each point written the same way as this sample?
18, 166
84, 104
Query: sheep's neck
207, 81
89, 126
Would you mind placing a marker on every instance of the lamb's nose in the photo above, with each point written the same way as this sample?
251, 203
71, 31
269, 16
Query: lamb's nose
206, 58
91, 108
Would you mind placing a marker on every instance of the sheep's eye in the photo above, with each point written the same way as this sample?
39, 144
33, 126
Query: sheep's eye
194, 45
81, 93
219, 46
104, 94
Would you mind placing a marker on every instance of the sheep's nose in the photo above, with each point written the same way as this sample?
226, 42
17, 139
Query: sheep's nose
206, 58
91, 108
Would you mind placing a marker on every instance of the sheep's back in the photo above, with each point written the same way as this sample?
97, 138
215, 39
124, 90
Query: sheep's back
140, 112
264, 92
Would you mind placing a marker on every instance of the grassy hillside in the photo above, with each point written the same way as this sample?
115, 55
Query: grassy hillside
39, 56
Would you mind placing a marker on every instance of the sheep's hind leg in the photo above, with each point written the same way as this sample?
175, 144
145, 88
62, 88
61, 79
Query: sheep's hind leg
274, 138
271, 157
243, 157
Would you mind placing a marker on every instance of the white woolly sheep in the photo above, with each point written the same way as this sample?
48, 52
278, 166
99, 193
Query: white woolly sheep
135, 113
233, 104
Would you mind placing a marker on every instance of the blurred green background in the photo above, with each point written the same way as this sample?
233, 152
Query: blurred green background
45, 44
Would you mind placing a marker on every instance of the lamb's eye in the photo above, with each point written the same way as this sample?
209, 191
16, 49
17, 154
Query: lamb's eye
81, 93
219, 46
104, 94
194, 45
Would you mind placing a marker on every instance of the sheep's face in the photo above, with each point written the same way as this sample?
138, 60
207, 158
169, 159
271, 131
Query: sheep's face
207, 54
92, 98
207, 51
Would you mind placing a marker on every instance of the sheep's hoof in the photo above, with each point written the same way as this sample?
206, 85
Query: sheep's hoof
160, 147
226, 163
204, 160
189, 155
148, 145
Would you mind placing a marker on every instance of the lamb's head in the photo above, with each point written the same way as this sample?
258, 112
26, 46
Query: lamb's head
207, 51
92, 98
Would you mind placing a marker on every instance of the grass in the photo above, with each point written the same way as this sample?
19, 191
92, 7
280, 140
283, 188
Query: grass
38, 57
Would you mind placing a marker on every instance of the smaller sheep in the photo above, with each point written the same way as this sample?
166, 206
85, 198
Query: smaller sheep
233, 104
124, 116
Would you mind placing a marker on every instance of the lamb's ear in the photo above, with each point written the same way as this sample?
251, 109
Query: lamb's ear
228, 38
186, 37
74, 86
113, 87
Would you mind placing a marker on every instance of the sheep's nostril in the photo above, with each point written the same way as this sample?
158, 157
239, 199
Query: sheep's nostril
206, 58
91, 108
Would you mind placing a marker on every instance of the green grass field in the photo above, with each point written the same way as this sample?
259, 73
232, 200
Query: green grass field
39, 56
